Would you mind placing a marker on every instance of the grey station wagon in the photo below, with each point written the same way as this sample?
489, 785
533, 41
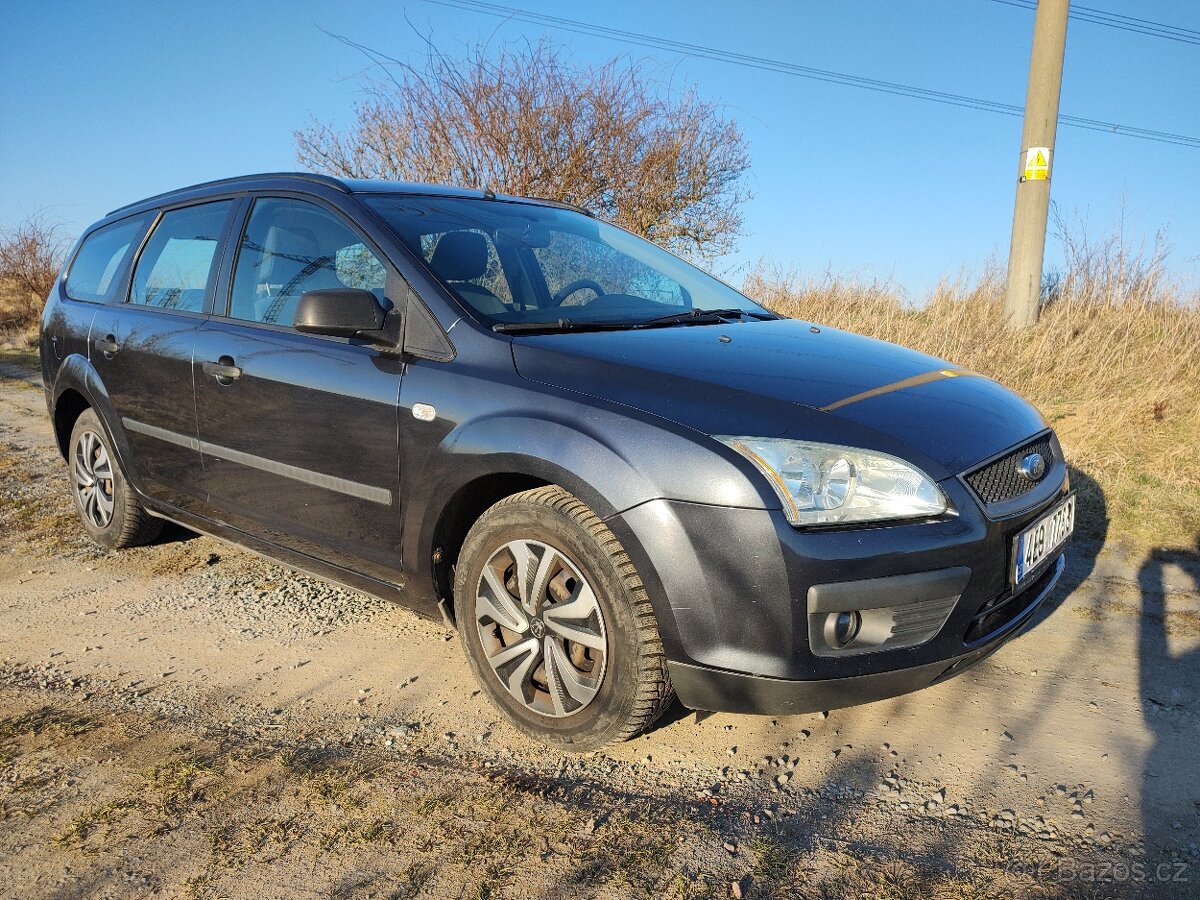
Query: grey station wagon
618, 478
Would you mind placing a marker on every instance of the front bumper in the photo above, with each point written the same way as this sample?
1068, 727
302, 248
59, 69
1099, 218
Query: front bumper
733, 591
700, 687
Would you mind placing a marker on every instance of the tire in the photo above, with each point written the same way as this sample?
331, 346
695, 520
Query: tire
105, 502
578, 663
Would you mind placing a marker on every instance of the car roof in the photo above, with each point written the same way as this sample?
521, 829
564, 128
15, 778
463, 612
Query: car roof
285, 180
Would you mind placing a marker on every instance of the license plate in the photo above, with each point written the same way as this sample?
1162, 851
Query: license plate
1039, 541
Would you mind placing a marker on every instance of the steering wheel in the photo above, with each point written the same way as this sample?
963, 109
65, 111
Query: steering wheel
578, 285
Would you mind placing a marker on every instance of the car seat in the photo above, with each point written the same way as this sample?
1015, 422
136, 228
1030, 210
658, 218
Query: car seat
459, 258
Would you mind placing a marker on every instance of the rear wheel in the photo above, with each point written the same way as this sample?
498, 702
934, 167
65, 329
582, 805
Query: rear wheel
556, 623
106, 504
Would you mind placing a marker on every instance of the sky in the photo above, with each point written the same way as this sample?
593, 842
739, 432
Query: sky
102, 104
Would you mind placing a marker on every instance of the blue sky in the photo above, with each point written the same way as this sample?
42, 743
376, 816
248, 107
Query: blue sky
105, 103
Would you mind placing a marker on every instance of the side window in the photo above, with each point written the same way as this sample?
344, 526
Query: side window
100, 257
173, 271
290, 247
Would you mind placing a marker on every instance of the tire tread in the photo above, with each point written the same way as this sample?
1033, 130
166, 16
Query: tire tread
139, 527
655, 693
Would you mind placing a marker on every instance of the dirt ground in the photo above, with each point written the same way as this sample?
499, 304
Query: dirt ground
186, 719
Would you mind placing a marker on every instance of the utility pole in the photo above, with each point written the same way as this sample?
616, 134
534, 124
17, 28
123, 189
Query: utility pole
1033, 178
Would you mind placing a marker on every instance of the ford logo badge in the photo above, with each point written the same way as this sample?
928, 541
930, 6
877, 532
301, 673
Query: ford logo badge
1032, 467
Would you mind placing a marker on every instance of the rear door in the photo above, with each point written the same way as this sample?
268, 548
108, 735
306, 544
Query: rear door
141, 347
298, 431
93, 278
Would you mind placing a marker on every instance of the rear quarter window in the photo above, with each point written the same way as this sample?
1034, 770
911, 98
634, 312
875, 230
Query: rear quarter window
100, 259
176, 266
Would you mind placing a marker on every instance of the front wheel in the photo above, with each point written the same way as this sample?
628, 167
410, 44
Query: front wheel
556, 623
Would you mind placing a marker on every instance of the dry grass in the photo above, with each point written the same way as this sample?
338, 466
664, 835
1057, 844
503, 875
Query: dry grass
133, 804
1113, 365
35, 509
19, 313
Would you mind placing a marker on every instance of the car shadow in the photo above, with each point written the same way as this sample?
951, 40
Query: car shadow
173, 534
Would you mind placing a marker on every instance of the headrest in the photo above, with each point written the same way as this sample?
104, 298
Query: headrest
460, 256
286, 250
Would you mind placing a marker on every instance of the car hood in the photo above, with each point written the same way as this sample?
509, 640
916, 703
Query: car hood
787, 378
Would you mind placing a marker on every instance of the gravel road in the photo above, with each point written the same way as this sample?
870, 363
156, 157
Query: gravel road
187, 719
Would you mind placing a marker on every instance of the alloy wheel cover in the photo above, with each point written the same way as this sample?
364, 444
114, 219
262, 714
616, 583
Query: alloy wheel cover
542, 628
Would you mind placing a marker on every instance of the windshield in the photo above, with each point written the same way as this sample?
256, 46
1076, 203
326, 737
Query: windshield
515, 264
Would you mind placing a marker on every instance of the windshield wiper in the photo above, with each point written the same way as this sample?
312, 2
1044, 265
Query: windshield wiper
691, 317
560, 325
704, 317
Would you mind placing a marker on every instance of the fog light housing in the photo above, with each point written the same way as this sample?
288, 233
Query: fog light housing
847, 618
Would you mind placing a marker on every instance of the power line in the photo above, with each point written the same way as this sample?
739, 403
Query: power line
825, 75
1124, 23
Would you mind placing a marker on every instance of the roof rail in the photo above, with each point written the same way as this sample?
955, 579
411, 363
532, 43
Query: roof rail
313, 177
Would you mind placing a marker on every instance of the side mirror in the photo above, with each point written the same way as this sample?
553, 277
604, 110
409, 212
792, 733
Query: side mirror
339, 312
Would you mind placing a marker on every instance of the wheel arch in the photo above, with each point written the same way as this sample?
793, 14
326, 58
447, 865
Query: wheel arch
522, 452
68, 407
460, 513
609, 460
77, 387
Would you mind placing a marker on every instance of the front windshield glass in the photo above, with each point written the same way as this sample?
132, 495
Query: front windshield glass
514, 263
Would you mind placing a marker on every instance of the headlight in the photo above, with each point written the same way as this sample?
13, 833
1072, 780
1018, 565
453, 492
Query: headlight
823, 483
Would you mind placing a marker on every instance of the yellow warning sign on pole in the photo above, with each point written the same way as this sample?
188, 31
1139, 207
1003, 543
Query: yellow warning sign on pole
1037, 164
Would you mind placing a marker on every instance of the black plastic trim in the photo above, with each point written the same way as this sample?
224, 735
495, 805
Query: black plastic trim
423, 334
710, 689
894, 590
1038, 588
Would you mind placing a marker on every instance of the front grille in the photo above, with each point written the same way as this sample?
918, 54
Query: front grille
1001, 479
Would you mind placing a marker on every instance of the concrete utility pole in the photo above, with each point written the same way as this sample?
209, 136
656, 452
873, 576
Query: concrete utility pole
1033, 179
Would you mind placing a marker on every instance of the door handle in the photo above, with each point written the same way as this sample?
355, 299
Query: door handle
108, 346
223, 370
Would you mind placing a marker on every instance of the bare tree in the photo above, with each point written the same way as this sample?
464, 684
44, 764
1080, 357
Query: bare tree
528, 121
31, 255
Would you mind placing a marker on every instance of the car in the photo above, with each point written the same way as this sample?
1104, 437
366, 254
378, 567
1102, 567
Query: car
616, 477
